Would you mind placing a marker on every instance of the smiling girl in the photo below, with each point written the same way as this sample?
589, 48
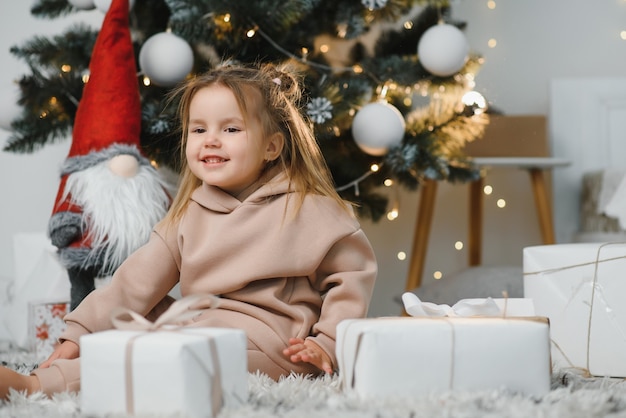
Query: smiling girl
256, 221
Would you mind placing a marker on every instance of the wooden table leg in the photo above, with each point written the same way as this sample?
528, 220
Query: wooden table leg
421, 234
475, 222
542, 203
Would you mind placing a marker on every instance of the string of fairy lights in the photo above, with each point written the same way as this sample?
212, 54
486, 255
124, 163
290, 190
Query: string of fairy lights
424, 88
488, 189
471, 100
151, 63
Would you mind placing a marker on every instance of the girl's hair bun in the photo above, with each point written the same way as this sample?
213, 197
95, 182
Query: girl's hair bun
285, 78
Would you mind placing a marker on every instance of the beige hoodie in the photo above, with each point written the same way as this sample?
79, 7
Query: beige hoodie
278, 275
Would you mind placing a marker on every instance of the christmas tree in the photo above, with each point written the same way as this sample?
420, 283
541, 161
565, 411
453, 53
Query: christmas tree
382, 113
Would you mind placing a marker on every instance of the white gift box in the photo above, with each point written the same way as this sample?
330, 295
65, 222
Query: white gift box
581, 288
189, 372
418, 356
45, 326
38, 276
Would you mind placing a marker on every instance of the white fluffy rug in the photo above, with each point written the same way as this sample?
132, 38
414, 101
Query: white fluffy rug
571, 396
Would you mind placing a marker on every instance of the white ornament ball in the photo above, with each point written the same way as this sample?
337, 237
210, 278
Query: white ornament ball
83, 4
166, 59
103, 5
9, 108
378, 126
443, 50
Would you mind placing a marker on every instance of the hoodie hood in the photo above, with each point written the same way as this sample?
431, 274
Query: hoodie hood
217, 200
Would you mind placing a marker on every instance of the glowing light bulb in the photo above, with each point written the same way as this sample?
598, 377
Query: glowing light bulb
491, 4
374, 167
66, 68
437, 275
501, 203
146, 81
475, 100
401, 256
458, 245
491, 43
392, 215
251, 33
487, 189
388, 182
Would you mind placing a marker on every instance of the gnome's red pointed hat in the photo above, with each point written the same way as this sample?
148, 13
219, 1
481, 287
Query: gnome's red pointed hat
108, 119
101, 215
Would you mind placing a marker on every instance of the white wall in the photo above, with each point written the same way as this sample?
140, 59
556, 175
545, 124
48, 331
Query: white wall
28, 182
537, 40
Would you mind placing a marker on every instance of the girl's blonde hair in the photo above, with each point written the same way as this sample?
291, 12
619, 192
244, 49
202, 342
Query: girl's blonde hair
280, 89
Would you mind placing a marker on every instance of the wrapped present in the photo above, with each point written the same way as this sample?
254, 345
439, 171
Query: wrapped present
38, 276
45, 325
580, 287
163, 370
422, 355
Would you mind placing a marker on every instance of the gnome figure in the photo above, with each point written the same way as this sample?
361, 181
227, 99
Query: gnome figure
110, 196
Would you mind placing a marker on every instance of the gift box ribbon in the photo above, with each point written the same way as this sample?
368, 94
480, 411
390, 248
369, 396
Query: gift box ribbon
180, 311
486, 307
596, 288
465, 307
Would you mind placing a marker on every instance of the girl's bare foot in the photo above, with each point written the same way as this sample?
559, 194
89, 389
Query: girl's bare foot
10, 379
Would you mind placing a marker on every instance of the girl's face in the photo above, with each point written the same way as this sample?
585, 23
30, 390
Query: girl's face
224, 149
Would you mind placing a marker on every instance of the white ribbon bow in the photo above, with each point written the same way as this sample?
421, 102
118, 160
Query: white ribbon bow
465, 307
179, 311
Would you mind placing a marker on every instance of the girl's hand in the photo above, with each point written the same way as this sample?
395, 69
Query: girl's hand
308, 352
65, 350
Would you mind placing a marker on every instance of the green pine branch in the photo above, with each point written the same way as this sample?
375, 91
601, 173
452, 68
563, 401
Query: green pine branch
336, 87
51, 9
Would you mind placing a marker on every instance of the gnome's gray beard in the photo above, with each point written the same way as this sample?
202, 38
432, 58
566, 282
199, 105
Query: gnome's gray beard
118, 212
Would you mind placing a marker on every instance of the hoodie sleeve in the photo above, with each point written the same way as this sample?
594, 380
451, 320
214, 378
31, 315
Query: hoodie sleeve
346, 276
139, 284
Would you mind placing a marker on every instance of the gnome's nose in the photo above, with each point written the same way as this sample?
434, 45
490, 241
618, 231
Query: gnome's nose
124, 165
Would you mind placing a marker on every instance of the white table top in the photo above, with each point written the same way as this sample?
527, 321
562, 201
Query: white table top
521, 162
